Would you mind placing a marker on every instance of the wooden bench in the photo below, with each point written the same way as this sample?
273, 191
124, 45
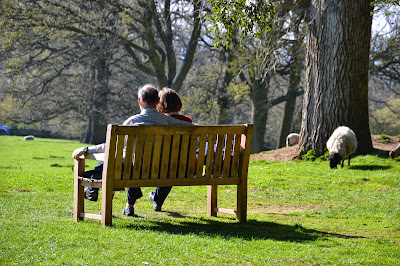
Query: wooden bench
166, 156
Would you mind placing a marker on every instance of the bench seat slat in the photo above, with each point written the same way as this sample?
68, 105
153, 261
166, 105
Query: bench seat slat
176, 182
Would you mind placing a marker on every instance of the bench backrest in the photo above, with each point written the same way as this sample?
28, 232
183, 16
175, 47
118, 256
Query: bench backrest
176, 155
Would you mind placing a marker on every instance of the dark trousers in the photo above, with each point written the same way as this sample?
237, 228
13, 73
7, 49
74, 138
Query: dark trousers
133, 193
136, 193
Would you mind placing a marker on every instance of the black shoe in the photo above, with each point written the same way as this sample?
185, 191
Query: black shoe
91, 193
129, 211
156, 207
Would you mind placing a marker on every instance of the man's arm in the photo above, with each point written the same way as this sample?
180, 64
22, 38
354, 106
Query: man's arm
86, 150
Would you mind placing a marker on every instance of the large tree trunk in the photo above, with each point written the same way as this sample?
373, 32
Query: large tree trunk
336, 93
259, 114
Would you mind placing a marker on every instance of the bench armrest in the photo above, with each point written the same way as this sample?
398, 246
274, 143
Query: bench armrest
94, 156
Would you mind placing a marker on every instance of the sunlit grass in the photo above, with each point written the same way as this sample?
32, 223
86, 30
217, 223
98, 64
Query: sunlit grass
299, 212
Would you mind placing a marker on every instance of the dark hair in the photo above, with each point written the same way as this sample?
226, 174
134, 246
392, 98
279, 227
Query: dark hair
169, 101
149, 94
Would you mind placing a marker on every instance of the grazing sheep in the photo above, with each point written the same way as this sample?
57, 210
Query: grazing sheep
29, 137
292, 139
341, 145
395, 152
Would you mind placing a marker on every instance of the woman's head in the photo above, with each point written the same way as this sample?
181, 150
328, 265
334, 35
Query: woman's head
169, 101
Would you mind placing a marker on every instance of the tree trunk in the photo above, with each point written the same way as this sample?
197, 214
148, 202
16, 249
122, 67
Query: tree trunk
97, 127
336, 93
223, 105
259, 114
297, 53
89, 130
287, 121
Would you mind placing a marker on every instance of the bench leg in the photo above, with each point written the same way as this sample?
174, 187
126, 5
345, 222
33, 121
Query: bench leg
241, 214
212, 193
106, 206
78, 192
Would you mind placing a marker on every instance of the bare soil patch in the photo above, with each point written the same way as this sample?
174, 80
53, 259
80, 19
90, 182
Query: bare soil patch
289, 153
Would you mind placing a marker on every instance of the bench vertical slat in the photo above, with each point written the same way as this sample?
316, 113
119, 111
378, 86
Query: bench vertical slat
201, 155
165, 156
192, 156
148, 146
119, 153
241, 214
235, 157
128, 156
227, 155
183, 156
155, 168
210, 156
173, 162
138, 157
218, 155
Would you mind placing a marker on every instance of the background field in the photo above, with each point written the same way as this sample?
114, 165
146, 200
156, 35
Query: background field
299, 212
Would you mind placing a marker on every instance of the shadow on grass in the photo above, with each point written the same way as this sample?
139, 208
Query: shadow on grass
370, 167
251, 230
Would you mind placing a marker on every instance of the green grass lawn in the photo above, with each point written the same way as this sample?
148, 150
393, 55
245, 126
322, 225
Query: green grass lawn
298, 213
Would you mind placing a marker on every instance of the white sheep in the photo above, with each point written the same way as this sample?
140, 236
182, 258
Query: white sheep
292, 139
29, 137
395, 152
341, 145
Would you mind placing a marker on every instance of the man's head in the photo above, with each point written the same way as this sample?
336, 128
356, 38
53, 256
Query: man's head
148, 96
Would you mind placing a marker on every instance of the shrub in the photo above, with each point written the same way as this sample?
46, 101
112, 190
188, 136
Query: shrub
309, 156
384, 138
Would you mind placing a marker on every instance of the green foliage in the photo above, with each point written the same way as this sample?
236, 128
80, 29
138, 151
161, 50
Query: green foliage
296, 212
201, 106
239, 90
386, 119
384, 138
239, 17
325, 156
398, 138
309, 156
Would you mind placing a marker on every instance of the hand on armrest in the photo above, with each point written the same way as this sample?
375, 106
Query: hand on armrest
78, 153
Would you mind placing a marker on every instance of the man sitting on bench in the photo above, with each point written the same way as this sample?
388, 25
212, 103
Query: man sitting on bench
148, 100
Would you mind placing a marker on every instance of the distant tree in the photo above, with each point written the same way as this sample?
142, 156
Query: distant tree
160, 39
258, 61
336, 77
385, 78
